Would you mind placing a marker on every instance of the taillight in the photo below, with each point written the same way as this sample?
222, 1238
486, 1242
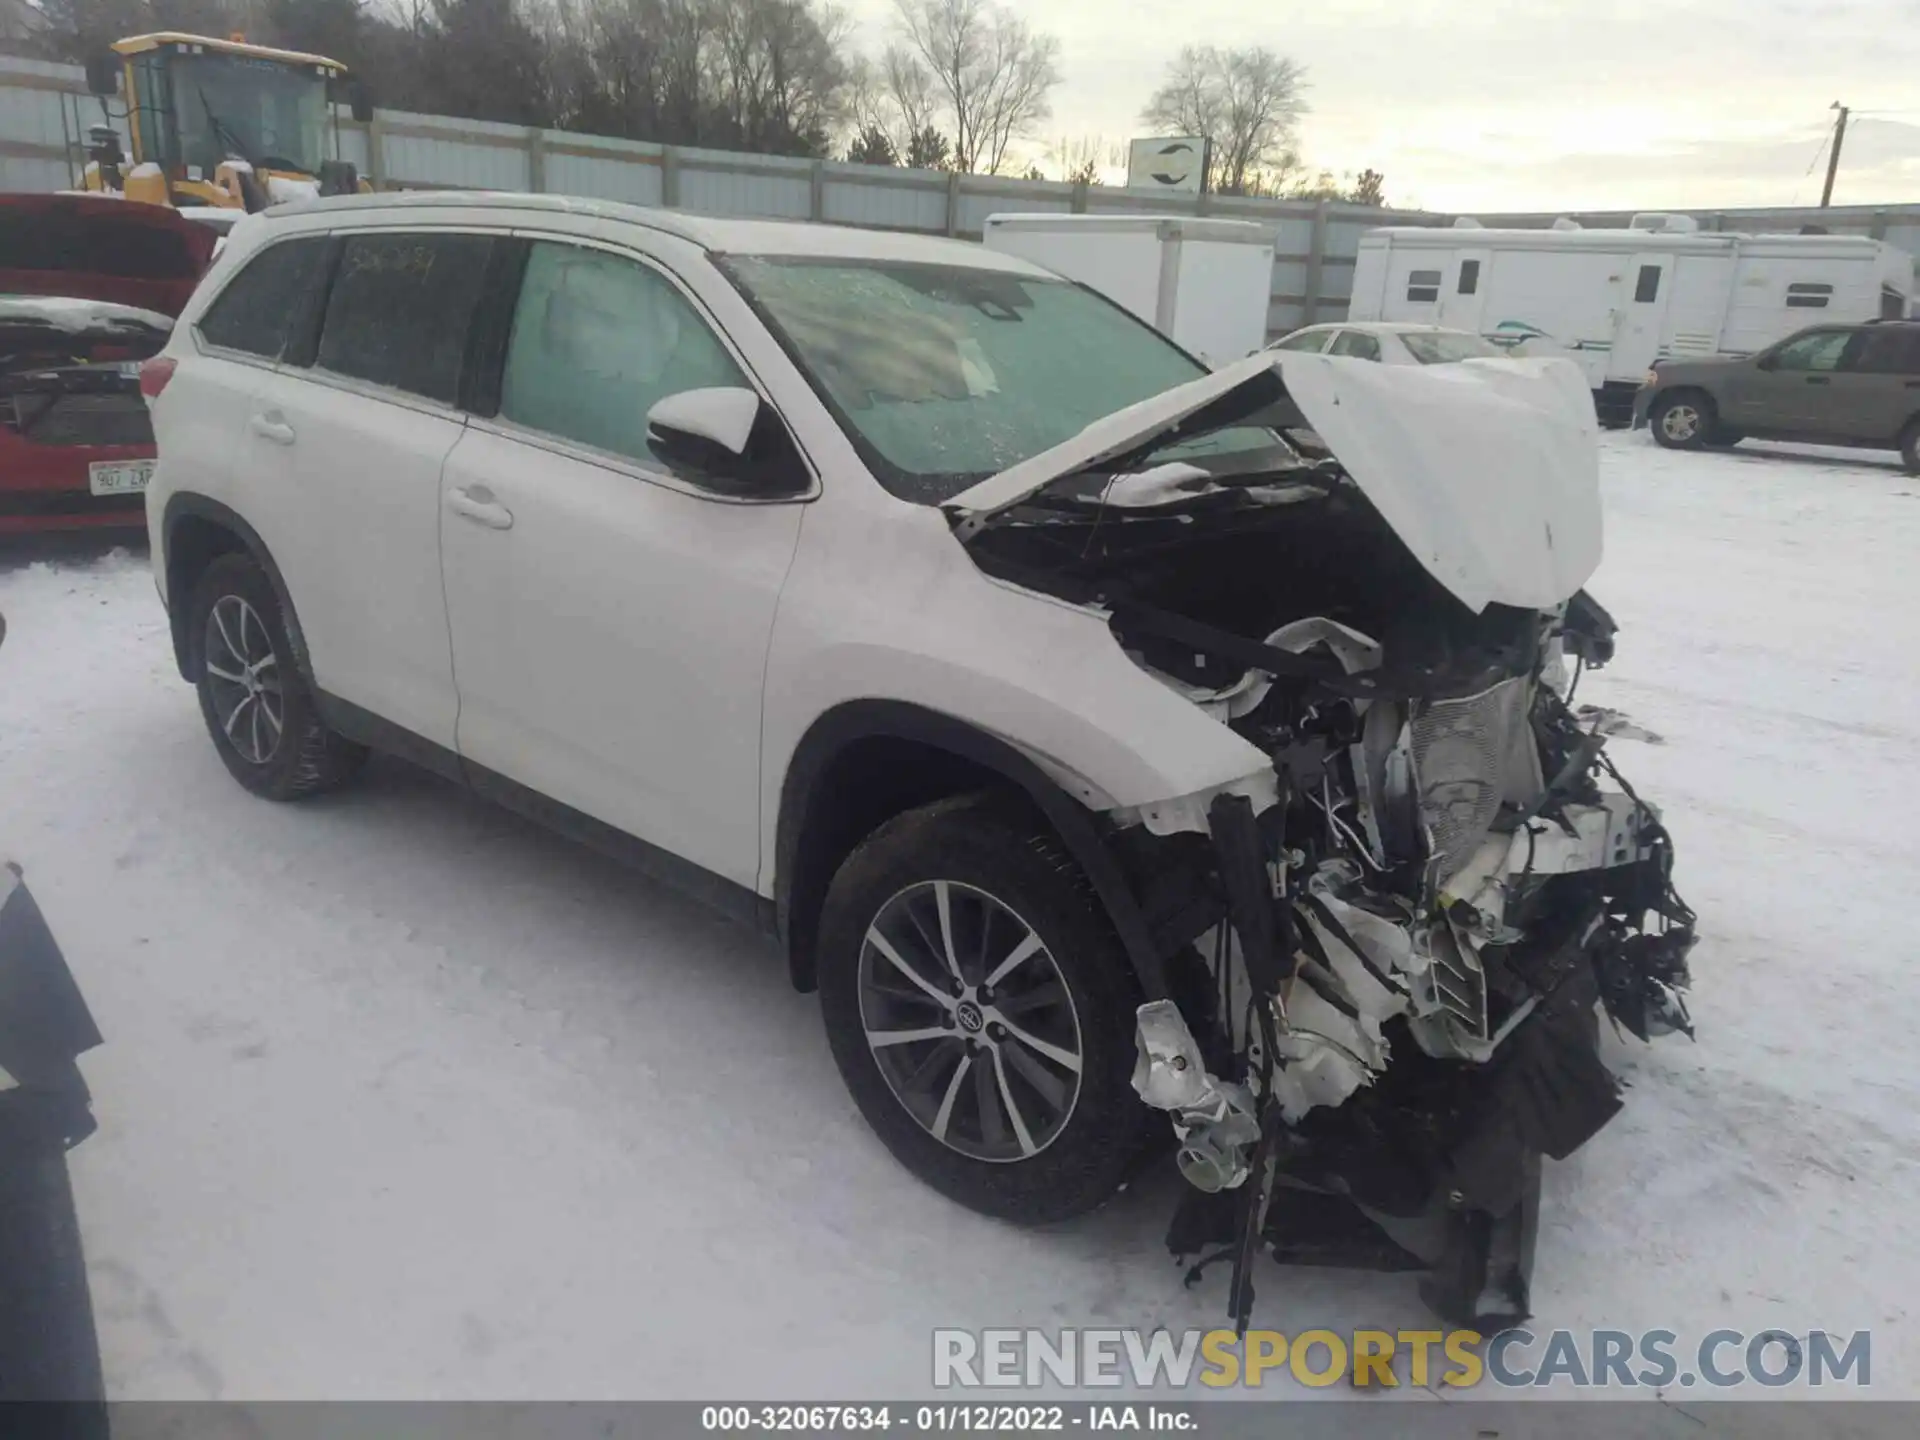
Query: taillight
154, 375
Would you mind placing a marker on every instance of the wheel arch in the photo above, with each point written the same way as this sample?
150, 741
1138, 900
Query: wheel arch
866, 761
1679, 388
195, 531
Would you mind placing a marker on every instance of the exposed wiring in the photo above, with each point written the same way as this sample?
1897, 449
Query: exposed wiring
1344, 829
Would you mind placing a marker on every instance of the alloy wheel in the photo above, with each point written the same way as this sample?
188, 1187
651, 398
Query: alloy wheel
243, 677
1680, 423
970, 1021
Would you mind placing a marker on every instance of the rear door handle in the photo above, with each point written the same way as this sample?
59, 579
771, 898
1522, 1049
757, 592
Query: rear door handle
476, 503
272, 425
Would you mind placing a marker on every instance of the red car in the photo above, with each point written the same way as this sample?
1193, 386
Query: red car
89, 287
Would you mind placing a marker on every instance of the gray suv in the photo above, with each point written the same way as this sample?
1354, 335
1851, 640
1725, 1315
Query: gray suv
1831, 385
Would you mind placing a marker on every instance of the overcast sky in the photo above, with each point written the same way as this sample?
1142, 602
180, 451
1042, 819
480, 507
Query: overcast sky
1538, 104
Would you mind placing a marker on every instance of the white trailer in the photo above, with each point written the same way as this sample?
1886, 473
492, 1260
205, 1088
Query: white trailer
1204, 283
1617, 300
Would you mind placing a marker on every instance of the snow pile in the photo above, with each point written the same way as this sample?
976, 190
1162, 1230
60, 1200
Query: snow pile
404, 1097
283, 190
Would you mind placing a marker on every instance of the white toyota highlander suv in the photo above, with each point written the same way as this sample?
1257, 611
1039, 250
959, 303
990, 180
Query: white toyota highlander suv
1113, 770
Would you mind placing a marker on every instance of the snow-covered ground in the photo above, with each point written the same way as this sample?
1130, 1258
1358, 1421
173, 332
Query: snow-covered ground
404, 1097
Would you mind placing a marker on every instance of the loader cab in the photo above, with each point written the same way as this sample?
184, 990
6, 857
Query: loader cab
224, 123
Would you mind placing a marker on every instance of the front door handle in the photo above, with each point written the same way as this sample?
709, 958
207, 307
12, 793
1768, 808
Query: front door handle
1818, 380
272, 425
476, 503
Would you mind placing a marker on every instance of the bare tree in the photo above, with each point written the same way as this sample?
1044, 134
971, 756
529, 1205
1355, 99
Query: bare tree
1082, 158
993, 74
1247, 102
778, 76
894, 95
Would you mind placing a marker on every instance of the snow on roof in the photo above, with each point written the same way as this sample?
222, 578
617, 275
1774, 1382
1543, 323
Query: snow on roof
135, 44
1447, 238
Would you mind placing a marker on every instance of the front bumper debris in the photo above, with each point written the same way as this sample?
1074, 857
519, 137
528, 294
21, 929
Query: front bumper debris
1392, 1045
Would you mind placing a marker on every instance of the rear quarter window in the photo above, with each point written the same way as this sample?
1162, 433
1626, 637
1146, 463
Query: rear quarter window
255, 313
400, 308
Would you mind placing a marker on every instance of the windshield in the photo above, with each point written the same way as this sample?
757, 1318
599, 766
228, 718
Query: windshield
262, 111
946, 374
1443, 347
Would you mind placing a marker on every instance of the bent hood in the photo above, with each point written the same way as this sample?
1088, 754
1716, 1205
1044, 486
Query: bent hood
1488, 470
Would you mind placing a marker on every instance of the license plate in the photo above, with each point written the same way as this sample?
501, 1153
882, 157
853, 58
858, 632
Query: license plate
119, 477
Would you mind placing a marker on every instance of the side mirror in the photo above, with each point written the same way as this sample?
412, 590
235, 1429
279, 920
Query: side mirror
339, 177
103, 74
726, 439
1767, 362
351, 91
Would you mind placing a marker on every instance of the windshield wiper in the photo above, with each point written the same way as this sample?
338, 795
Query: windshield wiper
252, 195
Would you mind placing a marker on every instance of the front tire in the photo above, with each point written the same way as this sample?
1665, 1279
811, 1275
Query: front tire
981, 1011
1683, 420
1910, 447
258, 710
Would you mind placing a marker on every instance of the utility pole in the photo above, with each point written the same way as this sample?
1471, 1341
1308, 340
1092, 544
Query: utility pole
1833, 160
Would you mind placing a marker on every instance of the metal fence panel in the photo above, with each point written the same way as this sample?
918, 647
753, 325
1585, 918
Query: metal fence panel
884, 198
634, 180
714, 182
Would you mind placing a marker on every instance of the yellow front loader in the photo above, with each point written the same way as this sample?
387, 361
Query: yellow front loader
220, 123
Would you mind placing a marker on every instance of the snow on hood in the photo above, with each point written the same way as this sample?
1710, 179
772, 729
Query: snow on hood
1487, 470
75, 315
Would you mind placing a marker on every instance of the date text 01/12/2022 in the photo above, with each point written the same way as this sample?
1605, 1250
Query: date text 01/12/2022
946, 1419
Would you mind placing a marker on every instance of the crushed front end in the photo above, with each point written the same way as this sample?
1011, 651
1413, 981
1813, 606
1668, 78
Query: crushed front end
1393, 1010
1388, 968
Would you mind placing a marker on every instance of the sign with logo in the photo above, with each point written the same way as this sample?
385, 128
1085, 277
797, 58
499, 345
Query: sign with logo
1174, 162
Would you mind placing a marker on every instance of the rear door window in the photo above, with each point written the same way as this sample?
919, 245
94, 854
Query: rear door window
1355, 344
1312, 341
598, 340
1820, 350
255, 314
400, 308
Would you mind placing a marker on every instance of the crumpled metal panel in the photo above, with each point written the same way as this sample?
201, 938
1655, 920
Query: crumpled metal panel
1469, 756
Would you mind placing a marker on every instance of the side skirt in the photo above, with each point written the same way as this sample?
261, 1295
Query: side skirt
718, 893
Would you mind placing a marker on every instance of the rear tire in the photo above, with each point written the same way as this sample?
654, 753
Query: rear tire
1026, 1133
260, 713
1682, 420
1910, 447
